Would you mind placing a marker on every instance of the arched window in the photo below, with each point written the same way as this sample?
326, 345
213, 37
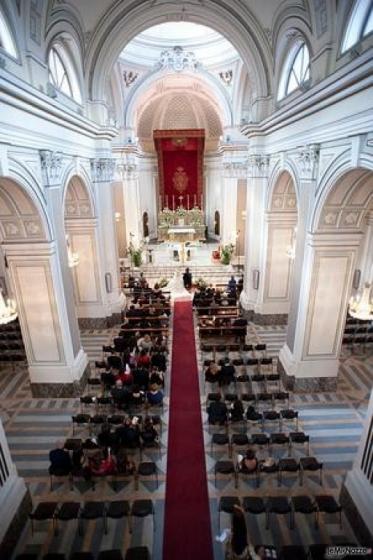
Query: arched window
296, 70
6, 39
62, 74
359, 25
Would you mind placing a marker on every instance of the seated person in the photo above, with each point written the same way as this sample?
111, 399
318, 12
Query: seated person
106, 437
212, 373
145, 343
217, 412
141, 377
128, 434
249, 463
60, 459
154, 396
120, 394
156, 378
124, 464
108, 379
126, 376
237, 411
227, 372
158, 360
143, 359
137, 396
148, 434
106, 466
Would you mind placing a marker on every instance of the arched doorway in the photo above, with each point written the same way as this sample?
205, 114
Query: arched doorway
217, 223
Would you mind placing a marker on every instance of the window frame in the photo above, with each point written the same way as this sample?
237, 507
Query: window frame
288, 70
8, 44
59, 52
355, 18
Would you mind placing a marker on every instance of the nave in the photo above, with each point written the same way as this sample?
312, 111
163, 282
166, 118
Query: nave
333, 421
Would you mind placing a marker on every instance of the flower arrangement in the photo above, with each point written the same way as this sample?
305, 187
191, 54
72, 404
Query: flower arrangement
195, 216
135, 254
181, 212
201, 284
163, 282
226, 253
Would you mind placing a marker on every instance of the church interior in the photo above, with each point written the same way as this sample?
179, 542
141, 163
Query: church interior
186, 279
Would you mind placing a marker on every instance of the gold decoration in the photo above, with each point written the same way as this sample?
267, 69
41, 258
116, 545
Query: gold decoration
180, 180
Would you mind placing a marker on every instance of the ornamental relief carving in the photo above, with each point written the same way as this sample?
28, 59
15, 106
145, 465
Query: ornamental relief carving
33, 228
102, 169
307, 161
51, 166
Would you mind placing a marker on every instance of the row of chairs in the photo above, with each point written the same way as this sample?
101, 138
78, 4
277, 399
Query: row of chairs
281, 505
107, 404
132, 553
91, 422
90, 510
244, 440
144, 469
254, 397
288, 464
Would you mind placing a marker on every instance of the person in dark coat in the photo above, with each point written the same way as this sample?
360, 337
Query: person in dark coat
217, 413
187, 279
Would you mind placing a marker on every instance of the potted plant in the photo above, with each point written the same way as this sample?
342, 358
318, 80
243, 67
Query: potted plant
226, 253
135, 254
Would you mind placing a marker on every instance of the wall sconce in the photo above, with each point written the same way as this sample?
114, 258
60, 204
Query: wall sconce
117, 216
108, 282
290, 249
256, 276
73, 258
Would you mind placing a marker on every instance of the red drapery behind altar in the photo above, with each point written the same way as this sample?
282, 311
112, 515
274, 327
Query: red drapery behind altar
180, 167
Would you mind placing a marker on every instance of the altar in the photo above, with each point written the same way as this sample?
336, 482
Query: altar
181, 225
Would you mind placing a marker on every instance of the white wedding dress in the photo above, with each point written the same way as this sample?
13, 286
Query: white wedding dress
176, 287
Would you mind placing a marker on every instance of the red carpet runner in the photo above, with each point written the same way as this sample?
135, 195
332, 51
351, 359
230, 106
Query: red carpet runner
187, 530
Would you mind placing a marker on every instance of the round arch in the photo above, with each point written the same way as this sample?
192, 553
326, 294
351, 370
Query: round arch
121, 24
22, 178
215, 91
339, 169
77, 185
278, 171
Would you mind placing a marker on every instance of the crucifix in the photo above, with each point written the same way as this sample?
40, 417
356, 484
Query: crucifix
181, 201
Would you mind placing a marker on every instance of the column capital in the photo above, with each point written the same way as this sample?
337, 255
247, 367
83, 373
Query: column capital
307, 159
258, 165
102, 169
51, 166
235, 169
127, 170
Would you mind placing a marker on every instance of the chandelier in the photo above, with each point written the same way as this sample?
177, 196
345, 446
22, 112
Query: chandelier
7, 310
290, 249
361, 304
73, 258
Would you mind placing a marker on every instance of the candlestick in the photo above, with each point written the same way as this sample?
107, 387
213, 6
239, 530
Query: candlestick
201, 202
166, 200
195, 200
173, 202
187, 201
160, 202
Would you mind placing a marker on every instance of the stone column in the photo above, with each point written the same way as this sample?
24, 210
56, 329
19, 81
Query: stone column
257, 173
213, 194
357, 490
309, 360
102, 172
56, 361
128, 171
52, 165
15, 500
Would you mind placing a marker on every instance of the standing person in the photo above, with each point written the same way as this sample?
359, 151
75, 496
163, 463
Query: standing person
187, 279
232, 284
238, 545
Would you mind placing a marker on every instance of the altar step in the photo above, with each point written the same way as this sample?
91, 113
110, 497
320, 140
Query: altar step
218, 274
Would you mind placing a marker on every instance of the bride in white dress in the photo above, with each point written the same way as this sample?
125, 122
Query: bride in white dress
176, 287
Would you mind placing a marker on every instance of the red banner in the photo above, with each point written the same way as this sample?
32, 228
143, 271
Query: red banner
180, 167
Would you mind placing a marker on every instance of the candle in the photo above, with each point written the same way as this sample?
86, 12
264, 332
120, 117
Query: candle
160, 202
187, 201
195, 200
167, 200
201, 202
173, 202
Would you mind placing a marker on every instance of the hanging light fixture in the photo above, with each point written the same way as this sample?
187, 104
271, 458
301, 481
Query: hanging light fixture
361, 304
73, 258
290, 249
8, 311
